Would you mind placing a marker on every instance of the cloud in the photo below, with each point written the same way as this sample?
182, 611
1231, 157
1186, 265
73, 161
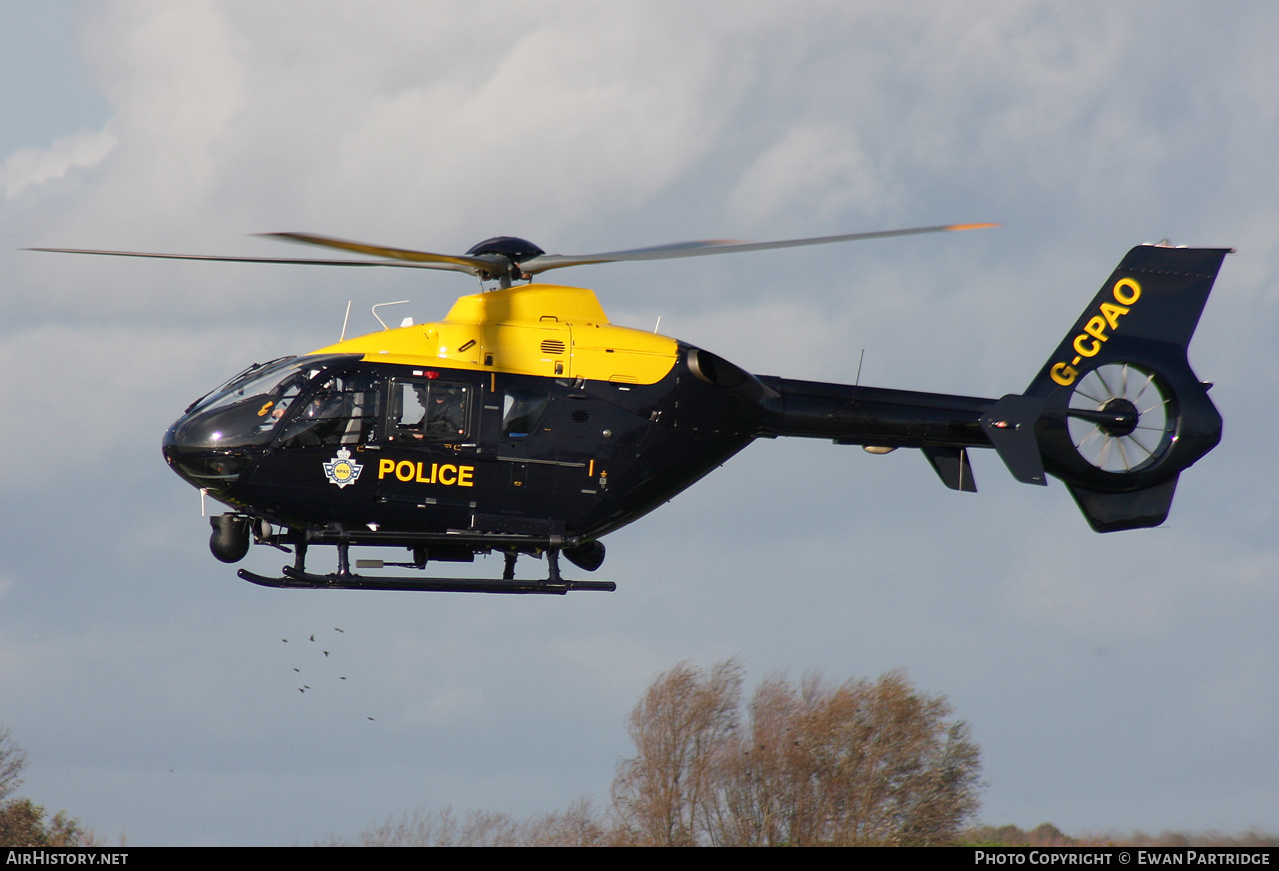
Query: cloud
32, 167
814, 169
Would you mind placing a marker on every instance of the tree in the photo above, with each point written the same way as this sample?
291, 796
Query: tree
13, 759
22, 822
664, 796
862, 763
578, 826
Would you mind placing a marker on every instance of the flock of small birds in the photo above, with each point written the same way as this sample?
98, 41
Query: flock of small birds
304, 687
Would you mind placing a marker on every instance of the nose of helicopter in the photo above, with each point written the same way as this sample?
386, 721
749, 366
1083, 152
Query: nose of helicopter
210, 447
222, 433
212, 444
200, 464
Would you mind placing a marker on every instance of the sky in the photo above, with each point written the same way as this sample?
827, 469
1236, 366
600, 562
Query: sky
1115, 683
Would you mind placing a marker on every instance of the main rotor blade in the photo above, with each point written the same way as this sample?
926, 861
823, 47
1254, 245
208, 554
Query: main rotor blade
401, 257
543, 262
290, 260
489, 266
460, 262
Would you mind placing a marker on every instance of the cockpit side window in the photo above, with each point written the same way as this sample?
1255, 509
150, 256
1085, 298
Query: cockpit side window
522, 408
424, 409
343, 410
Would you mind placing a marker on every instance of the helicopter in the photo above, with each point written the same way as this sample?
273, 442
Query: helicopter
525, 423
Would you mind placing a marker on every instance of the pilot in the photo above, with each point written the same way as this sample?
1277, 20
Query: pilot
444, 411
321, 422
447, 412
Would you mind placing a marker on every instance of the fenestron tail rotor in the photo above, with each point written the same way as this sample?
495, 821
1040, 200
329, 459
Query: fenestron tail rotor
1121, 418
509, 258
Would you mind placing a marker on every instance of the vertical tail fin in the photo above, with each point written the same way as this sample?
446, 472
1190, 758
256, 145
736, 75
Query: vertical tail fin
1117, 413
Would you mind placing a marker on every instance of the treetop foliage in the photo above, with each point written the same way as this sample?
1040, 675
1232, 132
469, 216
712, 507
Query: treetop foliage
22, 822
864, 762
13, 759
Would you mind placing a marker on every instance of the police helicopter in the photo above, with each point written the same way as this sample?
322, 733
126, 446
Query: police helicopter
525, 423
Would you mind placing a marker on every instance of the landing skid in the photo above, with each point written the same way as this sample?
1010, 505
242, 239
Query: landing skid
297, 577
294, 579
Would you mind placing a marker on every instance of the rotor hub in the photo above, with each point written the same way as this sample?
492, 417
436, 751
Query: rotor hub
1124, 417
512, 248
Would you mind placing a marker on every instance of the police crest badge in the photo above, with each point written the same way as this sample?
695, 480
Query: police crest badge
342, 470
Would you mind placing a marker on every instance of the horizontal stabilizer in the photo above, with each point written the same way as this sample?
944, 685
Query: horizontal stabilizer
951, 465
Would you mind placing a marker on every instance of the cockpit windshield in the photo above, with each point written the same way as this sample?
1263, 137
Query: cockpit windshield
251, 374
247, 408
